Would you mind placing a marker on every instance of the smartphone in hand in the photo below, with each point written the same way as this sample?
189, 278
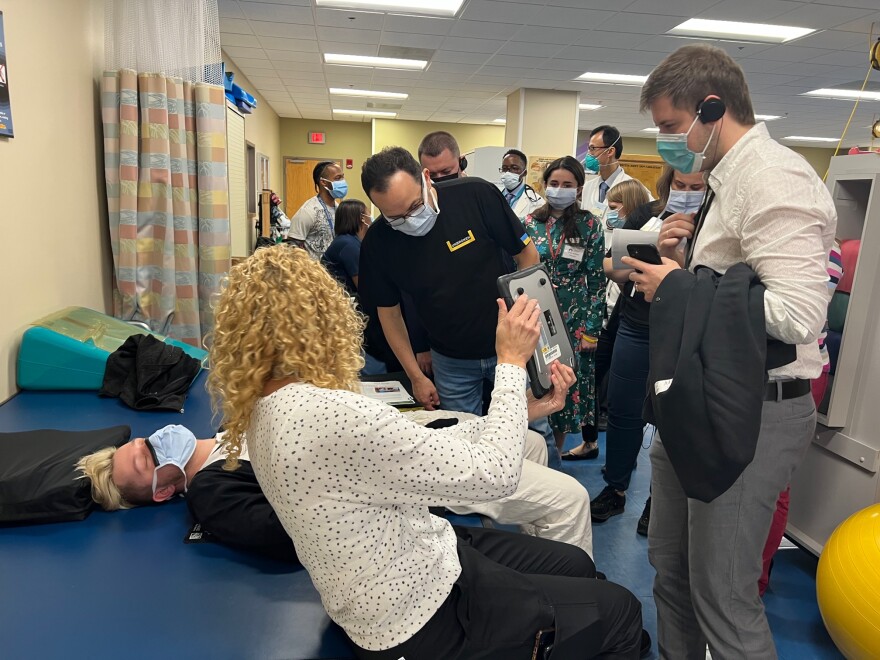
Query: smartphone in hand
646, 252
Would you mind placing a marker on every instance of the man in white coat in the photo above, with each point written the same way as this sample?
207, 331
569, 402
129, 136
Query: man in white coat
521, 196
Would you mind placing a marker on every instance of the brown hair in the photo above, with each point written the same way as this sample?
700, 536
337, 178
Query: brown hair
694, 72
433, 144
629, 194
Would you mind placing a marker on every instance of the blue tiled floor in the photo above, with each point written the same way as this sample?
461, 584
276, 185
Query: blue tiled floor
623, 556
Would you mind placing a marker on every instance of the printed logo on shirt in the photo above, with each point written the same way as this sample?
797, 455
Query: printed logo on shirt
461, 242
526, 239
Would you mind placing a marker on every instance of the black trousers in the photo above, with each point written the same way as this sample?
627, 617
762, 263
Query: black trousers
232, 507
511, 587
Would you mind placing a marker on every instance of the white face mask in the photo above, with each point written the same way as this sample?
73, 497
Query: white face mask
561, 198
510, 180
171, 445
421, 222
684, 201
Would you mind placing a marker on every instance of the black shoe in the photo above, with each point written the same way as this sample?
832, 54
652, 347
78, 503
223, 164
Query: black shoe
642, 527
582, 456
645, 649
608, 504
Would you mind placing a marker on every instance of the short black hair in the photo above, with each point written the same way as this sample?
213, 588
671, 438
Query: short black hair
380, 167
519, 154
319, 170
348, 216
434, 144
610, 135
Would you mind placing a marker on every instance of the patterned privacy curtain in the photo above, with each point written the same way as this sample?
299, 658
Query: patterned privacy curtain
165, 166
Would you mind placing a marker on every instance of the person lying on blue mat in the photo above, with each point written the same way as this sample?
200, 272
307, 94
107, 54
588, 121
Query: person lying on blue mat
352, 479
232, 508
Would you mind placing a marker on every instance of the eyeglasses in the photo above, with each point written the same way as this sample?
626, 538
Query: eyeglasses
394, 221
593, 149
516, 169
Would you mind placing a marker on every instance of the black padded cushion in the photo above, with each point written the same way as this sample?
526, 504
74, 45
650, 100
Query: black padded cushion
39, 482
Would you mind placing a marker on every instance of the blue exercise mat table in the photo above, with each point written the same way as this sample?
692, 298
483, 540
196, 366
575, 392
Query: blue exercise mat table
125, 585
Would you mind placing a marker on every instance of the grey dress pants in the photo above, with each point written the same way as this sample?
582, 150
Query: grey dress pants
708, 556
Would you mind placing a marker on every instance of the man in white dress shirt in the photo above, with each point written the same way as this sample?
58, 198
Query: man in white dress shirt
603, 156
767, 208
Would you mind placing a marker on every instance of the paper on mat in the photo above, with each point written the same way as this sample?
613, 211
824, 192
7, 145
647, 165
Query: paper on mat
387, 391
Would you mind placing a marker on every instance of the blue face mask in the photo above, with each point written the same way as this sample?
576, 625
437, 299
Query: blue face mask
614, 220
338, 190
673, 148
684, 201
561, 198
419, 223
172, 445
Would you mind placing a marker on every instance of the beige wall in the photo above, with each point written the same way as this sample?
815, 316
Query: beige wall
549, 122
345, 139
54, 237
408, 134
262, 128
818, 157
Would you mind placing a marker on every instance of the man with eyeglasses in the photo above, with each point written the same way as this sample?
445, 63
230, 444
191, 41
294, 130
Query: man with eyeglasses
603, 156
521, 196
444, 246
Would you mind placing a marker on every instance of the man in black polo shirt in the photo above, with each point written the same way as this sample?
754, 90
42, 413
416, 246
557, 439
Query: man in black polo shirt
443, 246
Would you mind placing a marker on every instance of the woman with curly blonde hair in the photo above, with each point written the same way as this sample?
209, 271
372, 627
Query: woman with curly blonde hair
351, 480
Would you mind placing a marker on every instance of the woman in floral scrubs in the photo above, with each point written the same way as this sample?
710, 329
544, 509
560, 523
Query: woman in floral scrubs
571, 245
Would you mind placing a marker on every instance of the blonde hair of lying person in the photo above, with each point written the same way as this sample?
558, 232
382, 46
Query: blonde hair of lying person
351, 480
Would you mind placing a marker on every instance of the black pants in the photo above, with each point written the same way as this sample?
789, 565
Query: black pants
232, 507
512, 586
604, 348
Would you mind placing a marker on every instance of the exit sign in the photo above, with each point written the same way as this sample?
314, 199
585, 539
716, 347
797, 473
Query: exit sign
317, 138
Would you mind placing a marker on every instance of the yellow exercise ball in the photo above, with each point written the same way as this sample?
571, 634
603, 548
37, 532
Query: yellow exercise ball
848, 585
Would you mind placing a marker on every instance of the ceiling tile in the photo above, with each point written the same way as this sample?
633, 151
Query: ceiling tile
862, 25
523, 48
235, 26
346, 18
273, 95
472, 45
348, 48
672, 7
483, 29
831, 39
290, 31
503, 12
418, 24
292, 56
821, 17
273, 13
243, 51
229, 9
459, 57
750, 11
227, 39
785, 53
602, 39
247, 64
847, 58
431, 41
639, 23
348, 35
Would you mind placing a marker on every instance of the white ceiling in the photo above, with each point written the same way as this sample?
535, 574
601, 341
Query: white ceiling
494, 47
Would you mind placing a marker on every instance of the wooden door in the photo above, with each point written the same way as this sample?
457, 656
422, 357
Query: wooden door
298, 184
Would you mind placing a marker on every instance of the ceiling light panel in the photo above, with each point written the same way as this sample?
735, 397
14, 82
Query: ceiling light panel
733, 30
612, 78
806, 138
767, 117
365, 113
589, 106
845, 94
366, 93
444, 8
376, 62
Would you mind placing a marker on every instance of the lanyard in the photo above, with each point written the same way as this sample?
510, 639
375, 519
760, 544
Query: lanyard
700, 218
559, 246
327, 215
